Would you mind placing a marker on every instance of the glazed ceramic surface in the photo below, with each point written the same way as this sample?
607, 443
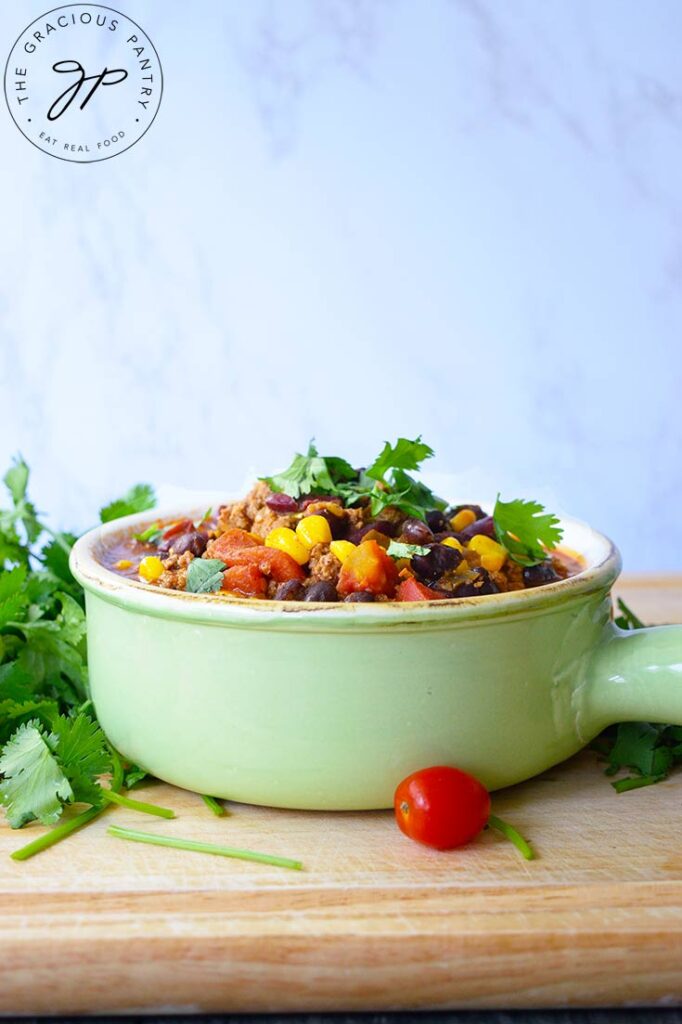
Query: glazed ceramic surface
330, 706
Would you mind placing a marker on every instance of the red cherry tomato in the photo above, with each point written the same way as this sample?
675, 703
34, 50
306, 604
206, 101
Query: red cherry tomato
441, 807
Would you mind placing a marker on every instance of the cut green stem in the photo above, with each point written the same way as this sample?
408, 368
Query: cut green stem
198, 847
510, 833
56, 834
137, 805
214, 805
624, 785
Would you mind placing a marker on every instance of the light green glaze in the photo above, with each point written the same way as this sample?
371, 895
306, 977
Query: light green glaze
329, 707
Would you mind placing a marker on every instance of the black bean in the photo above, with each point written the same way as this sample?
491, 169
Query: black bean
360, 595
193, 541
282, 503
321, 591
480, 584
417, 532
337, 524
437, 521
292, 590
484, 526
440, 559
539, 575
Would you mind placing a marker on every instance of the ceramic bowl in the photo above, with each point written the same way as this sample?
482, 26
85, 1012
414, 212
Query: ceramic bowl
329, 706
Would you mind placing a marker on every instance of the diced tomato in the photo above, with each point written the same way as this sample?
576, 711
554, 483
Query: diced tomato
277, 564
237, 547
180, 526
413, 590
368, 567
231, 541
245, 580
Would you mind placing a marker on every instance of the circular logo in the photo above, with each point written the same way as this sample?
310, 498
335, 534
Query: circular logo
83, 83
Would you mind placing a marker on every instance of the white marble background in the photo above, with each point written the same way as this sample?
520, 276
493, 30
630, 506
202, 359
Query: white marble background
354, 219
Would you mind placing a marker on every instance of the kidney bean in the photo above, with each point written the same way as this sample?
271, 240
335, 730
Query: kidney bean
360, 595
282, 503
539, 575
480, 584
417, 532
484, 526
193, 541
321, 591
292, 590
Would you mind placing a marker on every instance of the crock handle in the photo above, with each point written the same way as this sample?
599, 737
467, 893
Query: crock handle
636, 676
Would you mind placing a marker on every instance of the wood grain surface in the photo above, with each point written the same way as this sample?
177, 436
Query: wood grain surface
375, 922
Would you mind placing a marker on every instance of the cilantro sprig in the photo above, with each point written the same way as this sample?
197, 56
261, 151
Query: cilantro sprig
312, 473
385, 483
52, 750
526, 530
648, 751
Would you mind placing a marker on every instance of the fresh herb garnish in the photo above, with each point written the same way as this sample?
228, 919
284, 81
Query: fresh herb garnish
627, 618
204, 575
648, 750
44, 770
138, 499
404, 454
53, 751
398, 550
312, 474
385, 484
526, 530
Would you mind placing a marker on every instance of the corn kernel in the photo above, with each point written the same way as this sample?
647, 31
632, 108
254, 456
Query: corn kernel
123, 563
313, 530
493, 556
341, 549
452, 542
465, 517
150, 568
286, 540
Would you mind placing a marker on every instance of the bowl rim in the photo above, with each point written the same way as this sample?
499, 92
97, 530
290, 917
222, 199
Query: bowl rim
221, 609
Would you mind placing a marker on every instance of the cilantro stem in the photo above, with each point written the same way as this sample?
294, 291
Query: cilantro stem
509, 832
218, 809
198, 847
624, 785
137, 805
55, 835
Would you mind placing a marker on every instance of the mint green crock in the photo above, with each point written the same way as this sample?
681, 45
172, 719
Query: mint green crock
330, 706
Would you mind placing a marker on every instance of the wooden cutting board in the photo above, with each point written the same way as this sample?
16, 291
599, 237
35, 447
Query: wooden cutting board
374, 921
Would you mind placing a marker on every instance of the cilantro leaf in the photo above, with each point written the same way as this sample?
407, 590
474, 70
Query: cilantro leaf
34, 785
16, 480
138, 499
13, 598
404, 454
397, 550
81, 749
311, 474
524, 531
55, 557
204, 575
627, 618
